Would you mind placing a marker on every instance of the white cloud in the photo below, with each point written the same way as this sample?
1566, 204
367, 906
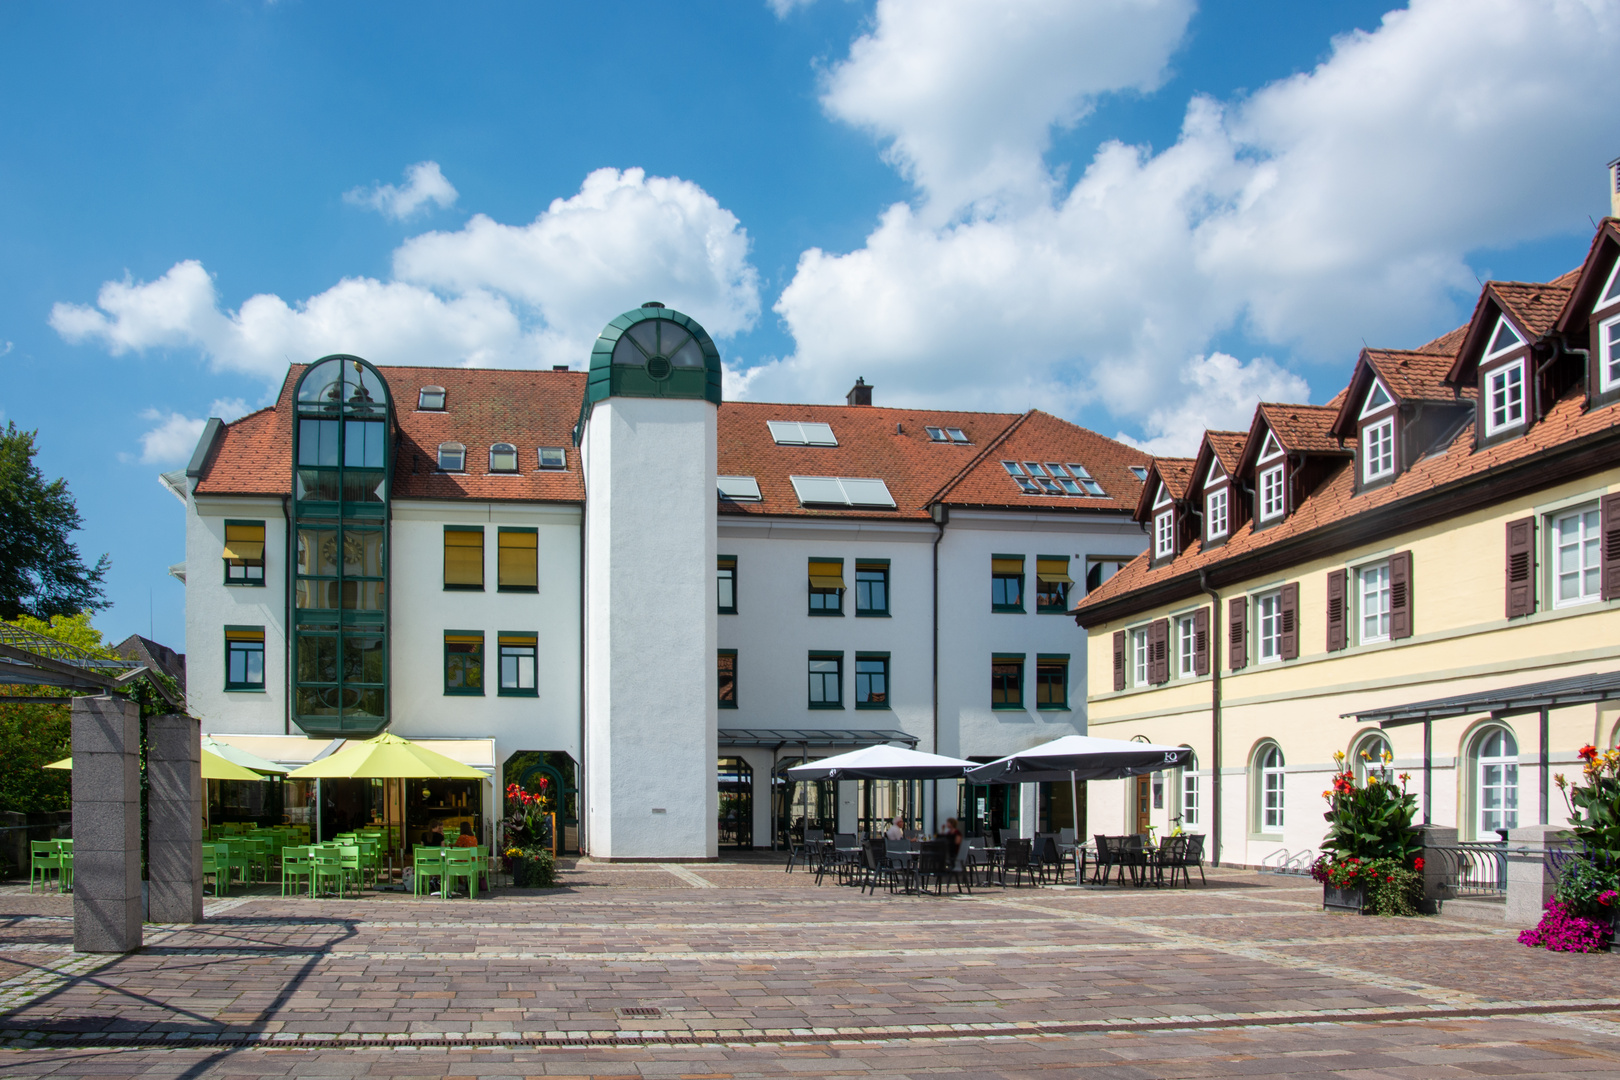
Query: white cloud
486, 295
784, 8
424, 184
1334, 205
965, 92
5, 347
175, 436
1220, 395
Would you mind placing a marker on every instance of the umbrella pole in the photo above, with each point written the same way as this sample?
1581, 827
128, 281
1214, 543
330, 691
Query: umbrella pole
1074, 820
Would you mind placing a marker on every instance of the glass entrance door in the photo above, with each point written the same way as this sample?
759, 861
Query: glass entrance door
736, 803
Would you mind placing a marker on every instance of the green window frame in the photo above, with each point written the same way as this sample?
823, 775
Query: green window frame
464, 663
1007, 583
518, 654
826, 671
826, 586
872, 690
725, 587
871, 588
517, 559
1052, 682
244, 659
726, 670
1052, 584
244, 553
1007, 682
463, 558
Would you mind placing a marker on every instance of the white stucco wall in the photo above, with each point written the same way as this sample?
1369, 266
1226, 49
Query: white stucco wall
650, 629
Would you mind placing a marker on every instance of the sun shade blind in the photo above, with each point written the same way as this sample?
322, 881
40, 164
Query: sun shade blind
1237, 633
244, 635
515, 638
1289, 646
1336, 587
519, 560
1400, 595
1053, 570
1610, 528
464, 639
826, 574
464, 557
1003, 565
1521, 566
1201, 641
244, 542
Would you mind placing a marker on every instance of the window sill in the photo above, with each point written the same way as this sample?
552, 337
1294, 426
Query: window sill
826, 614
463, 588
727, 705
827, 705
1008, 609
726, 611
1051, 611
1008, 708
1269, 838
518, 588
245, 690
1053, 708
872, 615
881, 706
518, 693
463, 693
244, 584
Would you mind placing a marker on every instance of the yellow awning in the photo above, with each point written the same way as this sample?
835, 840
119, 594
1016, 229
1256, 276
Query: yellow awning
1006, 566
1053, 570
387, 757
826, 574
245, 550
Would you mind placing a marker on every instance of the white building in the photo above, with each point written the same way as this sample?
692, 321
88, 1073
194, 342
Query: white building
654, 599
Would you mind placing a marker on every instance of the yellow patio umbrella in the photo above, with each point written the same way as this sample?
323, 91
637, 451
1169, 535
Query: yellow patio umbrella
386, 757
241, 757
214, 767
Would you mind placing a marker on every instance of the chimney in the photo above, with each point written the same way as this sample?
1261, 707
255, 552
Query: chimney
1614, 188
860, 393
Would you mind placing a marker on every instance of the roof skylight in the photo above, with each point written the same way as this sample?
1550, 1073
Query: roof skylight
431, 399
937, 434
738, 488
842, 491
1083, 478
797, 433
1052, 478
553, 457
1139, 471
503, 457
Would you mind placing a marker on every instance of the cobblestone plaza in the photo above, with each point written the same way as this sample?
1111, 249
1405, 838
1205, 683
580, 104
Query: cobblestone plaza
736, 969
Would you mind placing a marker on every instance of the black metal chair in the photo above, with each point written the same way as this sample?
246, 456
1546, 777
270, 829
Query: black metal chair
1019, 861
1194, 856
1107, 860
807, 850
1171, 856
934, 865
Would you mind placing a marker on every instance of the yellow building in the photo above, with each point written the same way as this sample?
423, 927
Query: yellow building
1428, 565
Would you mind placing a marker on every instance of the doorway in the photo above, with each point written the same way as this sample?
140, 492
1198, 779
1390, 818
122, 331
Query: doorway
736, 803
1142, 801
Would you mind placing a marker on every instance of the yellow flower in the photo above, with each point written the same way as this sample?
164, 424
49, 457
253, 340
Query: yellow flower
1388, 757
1338, 755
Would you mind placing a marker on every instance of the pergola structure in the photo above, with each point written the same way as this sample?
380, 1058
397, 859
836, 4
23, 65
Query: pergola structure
31, 659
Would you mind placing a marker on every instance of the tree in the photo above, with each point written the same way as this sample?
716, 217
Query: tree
32, 735
41, 572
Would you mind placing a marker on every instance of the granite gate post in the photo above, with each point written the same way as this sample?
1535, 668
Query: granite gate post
106, 825
174, 819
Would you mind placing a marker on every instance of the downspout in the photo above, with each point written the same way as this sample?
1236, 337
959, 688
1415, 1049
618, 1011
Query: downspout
940, 515
286, 634
1215, 636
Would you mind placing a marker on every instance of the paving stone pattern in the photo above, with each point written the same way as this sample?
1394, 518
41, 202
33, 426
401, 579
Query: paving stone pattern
740, 970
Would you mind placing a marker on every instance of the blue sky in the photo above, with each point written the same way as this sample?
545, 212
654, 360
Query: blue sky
1143, 215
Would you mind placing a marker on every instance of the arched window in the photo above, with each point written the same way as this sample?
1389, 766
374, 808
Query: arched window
1270, 795
503, 457
1496, 781
452, 457
1367, 758
1191, 802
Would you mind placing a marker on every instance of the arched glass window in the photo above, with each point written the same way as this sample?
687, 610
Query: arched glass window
1367, 758
452, 457
1191, 801
1496, 781
1270, 794
503, 457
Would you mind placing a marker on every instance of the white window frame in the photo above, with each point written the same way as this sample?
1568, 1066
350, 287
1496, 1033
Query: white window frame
1273, 493
506, 450
1186, 646
1502, 373
1139, 656
1378, 450
1268, 627
1372, 601
459, 450
1586, 542
1518, 339
1215, 516
1609, 352
1189, 792
1610, 293
1505, 782
1164, 534
1362, 768
1270, 789
1270, 448
1373, 408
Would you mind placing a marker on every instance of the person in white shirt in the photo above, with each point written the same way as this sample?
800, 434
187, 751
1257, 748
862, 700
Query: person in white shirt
896, 830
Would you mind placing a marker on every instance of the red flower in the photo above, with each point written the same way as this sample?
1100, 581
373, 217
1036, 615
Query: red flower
1588, 752
1417, 864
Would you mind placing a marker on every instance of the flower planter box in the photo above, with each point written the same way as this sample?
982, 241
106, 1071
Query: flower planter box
528, 873
1353, 899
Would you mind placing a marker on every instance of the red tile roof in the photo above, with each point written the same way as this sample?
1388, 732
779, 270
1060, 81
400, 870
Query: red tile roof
1042, 437
1535, 307
1228, 447
1413, 375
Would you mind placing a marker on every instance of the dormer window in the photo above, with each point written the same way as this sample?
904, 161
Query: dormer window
1272, 501
1270, 448
503, 458
1164, 533
452, 457
1215, 516
1378, 450
553, 457
1378, 400
1505, 340
1611, 289
430, 399
1609, 354
1504, 397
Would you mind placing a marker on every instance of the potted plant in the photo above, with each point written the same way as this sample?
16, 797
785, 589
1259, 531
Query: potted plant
1371, 863
1584, 912
528, 830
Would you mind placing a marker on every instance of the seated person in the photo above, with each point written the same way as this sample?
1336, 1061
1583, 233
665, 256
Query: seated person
466, 839
435, 834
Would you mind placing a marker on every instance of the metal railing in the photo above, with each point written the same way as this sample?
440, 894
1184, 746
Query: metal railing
1472, 869
1283, 861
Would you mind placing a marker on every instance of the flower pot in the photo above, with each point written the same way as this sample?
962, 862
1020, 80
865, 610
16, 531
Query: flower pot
530, 873
1353, 898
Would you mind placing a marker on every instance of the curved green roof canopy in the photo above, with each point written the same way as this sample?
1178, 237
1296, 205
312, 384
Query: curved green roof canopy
654, 351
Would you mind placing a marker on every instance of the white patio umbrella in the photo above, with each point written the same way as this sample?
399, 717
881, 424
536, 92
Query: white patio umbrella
881, 763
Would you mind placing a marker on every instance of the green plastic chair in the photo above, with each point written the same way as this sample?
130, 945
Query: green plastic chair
44, 856
258, 856
216, 861
461, 864
353, 870
296, 867
325, 864
236, 855
65, 881
429, 864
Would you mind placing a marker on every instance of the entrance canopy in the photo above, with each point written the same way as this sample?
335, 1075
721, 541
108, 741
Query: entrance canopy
1528, 697
882, 763
781, 738
1080, 757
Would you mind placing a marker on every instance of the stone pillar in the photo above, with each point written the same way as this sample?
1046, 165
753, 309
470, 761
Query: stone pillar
1529, 883
106, 825
1438, 865
174, 819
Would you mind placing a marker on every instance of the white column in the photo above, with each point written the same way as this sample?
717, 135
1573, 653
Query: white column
651, 629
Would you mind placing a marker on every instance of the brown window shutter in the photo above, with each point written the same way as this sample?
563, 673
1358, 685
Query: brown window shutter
1159, 651
1610, 528
1337, 582
1201, 641
1119, 660
1400, 595
1237, 633
1521, 567
1290, 621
